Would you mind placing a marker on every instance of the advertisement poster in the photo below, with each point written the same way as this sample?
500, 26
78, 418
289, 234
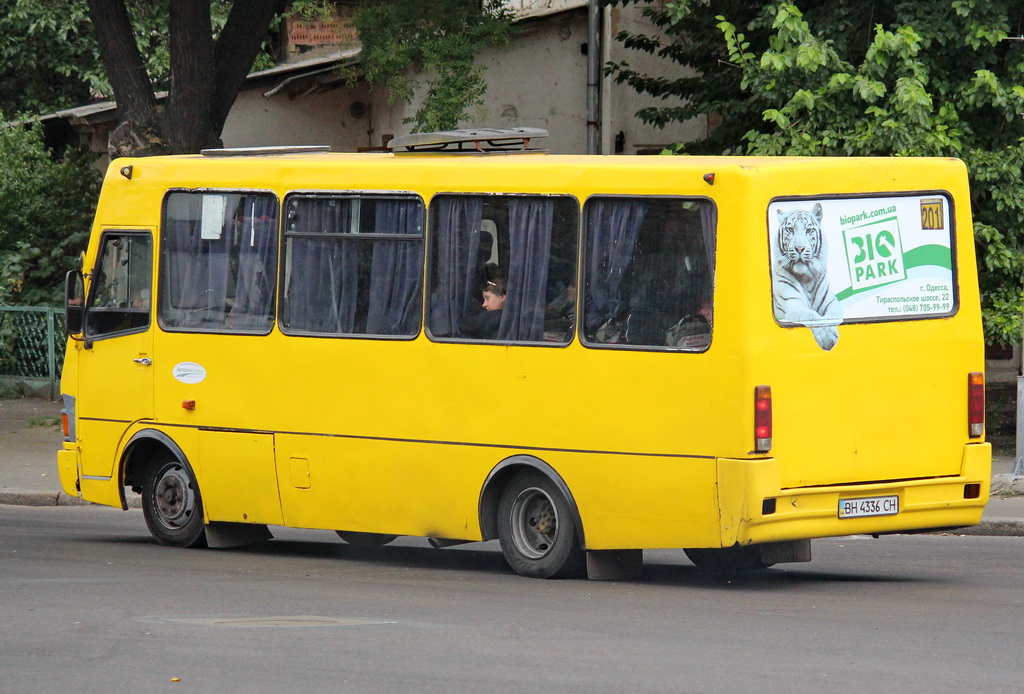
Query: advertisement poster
848, 260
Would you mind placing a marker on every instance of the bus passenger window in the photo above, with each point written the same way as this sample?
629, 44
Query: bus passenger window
218, 262
649, 272
353, 265
120, 293
503, 268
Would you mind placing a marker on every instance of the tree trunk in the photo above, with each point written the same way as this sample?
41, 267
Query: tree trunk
187, 123
236, 49
205, 76
138, 132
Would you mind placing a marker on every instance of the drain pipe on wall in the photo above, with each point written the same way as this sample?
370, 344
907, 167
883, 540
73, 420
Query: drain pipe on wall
595, 15
606, 82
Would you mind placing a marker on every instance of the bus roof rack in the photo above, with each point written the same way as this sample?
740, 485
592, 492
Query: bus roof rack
470, 141
256, 151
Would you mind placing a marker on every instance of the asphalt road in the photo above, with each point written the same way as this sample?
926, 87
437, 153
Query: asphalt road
90, 604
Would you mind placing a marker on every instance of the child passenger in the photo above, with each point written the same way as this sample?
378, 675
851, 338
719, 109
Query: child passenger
484, 325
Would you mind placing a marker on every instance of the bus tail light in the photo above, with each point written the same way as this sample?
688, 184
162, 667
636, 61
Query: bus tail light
762, 419
65, 424
976, 403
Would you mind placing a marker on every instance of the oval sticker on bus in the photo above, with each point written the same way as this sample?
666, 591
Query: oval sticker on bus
189, 372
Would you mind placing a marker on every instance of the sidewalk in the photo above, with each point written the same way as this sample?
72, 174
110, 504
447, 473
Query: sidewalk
29, 441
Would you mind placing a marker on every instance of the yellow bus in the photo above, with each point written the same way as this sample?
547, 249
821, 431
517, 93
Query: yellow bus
467, 339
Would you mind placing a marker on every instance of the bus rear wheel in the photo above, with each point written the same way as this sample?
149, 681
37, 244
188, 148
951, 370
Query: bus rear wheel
172, 505
535, 528
365, 539
728, 559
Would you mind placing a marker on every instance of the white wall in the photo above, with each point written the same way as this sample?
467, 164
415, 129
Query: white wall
323, 118
538, 80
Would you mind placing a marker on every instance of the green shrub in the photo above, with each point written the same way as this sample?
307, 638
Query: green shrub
46, 208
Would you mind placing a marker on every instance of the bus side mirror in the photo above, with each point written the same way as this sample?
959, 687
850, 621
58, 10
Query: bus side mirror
74, 302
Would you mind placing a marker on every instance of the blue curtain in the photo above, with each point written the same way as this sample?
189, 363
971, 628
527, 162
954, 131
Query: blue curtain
457, 242
612, 230
199, 276
709, 227
396, 270
529, 251
323, 273
257, 264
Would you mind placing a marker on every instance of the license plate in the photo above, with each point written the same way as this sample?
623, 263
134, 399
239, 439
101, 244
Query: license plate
869, 506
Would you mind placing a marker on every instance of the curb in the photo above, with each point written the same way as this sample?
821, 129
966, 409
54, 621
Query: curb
22, 497
994, 527
1007, 484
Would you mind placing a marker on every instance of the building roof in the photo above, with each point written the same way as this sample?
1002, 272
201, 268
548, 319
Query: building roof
322, 70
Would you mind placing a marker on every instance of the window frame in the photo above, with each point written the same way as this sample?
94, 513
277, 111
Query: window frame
584, 248
430, 269
953, 250
160, 279
90, 297
284, 255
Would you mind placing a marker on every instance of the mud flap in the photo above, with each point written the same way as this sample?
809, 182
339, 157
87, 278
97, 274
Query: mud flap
614, 564
227, 535
785, 552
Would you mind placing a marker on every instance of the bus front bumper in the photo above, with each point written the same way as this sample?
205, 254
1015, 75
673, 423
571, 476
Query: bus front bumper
754, 509
67, 469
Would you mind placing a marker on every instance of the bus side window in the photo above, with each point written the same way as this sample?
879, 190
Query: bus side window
523, 245
353, 265
218, 262
649, 272
119, 299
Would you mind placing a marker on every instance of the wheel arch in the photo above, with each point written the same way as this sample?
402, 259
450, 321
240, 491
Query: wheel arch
139, 450
499, 476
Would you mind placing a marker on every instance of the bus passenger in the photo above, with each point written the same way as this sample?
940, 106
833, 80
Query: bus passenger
484, 325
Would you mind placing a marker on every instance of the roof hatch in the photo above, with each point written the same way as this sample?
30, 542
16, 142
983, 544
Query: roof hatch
470, 141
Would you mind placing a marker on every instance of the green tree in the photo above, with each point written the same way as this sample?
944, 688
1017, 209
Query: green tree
860, 78
206, 73
61, 52
50, 58
438, 37
46, 207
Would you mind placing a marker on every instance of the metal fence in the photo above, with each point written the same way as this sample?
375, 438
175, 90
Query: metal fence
32, 343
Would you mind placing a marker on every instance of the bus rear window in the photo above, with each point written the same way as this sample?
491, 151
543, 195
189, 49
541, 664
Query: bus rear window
860, 259
649, 273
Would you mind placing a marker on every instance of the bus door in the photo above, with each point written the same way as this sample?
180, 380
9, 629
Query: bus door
115, 369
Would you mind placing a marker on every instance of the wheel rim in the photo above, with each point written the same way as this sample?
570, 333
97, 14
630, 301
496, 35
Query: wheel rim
534, 523
173, 499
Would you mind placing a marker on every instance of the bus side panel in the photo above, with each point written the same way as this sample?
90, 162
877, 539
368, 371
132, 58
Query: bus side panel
239, 483
431, 490
637, 502
392, 487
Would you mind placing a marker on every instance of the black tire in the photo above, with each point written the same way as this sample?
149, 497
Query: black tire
728, 559
365, 539
173, 506
536, 529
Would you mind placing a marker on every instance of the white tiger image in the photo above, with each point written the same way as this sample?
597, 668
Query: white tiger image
800, 286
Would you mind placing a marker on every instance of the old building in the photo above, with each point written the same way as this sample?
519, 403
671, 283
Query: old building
540, 79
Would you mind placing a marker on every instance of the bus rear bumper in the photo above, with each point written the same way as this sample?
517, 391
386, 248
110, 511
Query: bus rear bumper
755, 509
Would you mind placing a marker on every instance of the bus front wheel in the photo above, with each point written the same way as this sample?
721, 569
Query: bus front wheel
172, 505
536, 530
